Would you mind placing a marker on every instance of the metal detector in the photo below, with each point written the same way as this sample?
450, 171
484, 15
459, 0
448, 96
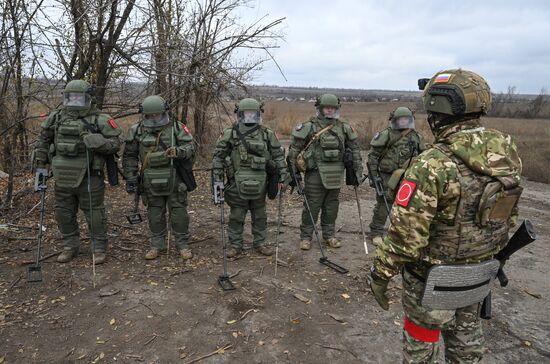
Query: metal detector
34, 273
223, 280
323, 260
135, 217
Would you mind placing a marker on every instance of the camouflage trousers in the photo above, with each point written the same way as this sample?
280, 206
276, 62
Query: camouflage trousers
461, 329
322, 201
237, 215
176, 205
67, 202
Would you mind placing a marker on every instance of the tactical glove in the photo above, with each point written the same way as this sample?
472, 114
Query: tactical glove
379, 287
131, 184
217, 192
94, 141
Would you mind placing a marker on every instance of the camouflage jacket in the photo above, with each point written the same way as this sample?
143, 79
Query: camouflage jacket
433, 194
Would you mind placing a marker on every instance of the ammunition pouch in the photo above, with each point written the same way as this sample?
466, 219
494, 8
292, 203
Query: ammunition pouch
250, 185
68, 172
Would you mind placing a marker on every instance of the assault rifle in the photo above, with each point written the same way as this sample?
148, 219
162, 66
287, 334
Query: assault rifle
378, 186
523, 236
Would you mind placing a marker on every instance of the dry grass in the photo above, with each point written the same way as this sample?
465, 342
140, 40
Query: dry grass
531, 135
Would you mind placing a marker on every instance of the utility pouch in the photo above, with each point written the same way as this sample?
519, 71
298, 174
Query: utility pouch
158, 159
67, 149
257, 163
332, 155
250, 185
496, 203
158, 182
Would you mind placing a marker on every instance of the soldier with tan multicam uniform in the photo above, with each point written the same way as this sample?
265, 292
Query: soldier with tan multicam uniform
455, 206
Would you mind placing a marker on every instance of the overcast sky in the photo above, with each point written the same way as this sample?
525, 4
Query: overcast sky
390, 44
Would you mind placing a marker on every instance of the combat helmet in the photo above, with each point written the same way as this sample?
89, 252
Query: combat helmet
328, 100
249, 112
78, 95
402, 118
454, 95
155, 111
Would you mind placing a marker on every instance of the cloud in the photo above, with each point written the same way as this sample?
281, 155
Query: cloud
388, 45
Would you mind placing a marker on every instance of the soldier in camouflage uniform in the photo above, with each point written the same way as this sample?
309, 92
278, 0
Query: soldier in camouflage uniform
391, 151
74, 140
317, 149
455, 205
243, 153
151, 147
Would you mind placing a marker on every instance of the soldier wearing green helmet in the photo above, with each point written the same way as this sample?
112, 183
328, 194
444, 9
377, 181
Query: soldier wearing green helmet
152, 146
452, 214
391, 151
74, 141
244, 154
317, 150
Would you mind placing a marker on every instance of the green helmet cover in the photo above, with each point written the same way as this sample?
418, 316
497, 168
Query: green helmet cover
248, 104
402, 118
328, 100
249, 112
457, 92
78, 96
154, 109
153, 105
77, 86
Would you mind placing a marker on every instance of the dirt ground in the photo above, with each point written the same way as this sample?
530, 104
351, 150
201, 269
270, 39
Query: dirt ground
167, 311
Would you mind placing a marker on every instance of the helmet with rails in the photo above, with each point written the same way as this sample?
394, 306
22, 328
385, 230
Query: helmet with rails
402, 118
454, 95
155, 111
249, 112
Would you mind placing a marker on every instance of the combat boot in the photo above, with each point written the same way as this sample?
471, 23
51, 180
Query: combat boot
233, 252
332, 243
153, 253
186, 254
265, 250
100, 257
67, 255
305, 244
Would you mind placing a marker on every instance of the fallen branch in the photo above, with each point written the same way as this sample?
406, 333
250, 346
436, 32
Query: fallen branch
246, 313
220, 350
15, 282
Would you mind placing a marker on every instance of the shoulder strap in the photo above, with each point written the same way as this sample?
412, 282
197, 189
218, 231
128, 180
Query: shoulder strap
318, 135
243, 135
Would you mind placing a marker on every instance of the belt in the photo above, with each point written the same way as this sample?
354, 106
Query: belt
409, 270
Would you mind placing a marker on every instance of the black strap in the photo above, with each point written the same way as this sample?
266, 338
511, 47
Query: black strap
243, 140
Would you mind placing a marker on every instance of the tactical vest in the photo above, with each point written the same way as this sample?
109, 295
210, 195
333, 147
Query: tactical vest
158, 173
327, 154
398, 154
69, 160
248, 163
482, 218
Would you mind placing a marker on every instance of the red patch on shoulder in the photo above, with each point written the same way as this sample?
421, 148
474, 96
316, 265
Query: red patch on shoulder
186, 129
405, 193
112, 123
43, 116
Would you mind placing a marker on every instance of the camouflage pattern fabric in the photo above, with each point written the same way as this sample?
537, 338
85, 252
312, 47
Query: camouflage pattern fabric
460, 329
433, 214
